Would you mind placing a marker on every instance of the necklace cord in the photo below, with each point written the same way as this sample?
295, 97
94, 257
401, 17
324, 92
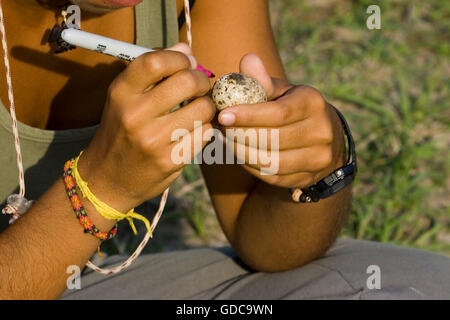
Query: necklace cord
12, 108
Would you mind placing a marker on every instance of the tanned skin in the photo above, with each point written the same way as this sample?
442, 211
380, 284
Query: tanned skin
267, 230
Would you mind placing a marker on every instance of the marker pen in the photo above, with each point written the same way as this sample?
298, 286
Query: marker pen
67, 38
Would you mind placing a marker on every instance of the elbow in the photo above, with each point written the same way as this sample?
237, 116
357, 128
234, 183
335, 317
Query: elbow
280, 259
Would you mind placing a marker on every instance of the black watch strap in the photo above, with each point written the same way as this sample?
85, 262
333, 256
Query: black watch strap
337, 180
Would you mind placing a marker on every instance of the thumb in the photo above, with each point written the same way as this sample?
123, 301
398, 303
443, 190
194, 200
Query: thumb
253, 66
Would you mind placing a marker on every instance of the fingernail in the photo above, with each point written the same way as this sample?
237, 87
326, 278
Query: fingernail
181, 47
193, 61
227, 118
184, 48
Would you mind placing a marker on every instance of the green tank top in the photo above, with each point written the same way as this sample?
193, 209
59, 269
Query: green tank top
45, 151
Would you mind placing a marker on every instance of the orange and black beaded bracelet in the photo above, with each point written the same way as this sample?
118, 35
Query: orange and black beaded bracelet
71, 191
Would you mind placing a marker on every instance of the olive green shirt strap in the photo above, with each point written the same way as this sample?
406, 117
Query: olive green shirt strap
156, 23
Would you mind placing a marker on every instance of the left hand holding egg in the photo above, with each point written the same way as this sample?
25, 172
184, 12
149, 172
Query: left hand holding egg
311, 141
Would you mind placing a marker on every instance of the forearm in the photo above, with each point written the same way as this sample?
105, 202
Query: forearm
268, 230
37, 249
272, 233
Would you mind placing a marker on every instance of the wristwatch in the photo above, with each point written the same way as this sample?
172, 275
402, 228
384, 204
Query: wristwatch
337, 180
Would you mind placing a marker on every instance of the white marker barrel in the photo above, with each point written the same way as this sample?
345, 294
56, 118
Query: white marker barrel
119, 49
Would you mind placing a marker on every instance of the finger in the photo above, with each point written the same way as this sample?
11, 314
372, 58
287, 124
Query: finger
151, 68
253, 66
310, 159
185, 147
181, 86
293, 106
201, 110
299, 134
297, 180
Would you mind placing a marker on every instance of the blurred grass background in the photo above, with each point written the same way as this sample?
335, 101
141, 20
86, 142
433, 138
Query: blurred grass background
392, 84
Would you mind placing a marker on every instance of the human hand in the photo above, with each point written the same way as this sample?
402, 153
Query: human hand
310, 144
129, 159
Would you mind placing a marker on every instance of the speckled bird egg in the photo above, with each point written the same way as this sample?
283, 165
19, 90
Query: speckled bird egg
235, 88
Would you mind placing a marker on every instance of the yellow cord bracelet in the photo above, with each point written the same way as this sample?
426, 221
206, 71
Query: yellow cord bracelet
101, 207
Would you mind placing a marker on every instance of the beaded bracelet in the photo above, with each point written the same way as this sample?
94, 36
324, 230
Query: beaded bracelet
88, 226
102, 208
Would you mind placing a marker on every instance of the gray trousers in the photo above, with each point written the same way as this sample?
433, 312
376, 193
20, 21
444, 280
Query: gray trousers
349, 270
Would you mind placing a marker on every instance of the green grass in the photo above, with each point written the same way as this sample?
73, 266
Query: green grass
392, 85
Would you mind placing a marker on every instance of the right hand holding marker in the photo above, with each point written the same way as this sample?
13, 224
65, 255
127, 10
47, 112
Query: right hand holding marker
129, 159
